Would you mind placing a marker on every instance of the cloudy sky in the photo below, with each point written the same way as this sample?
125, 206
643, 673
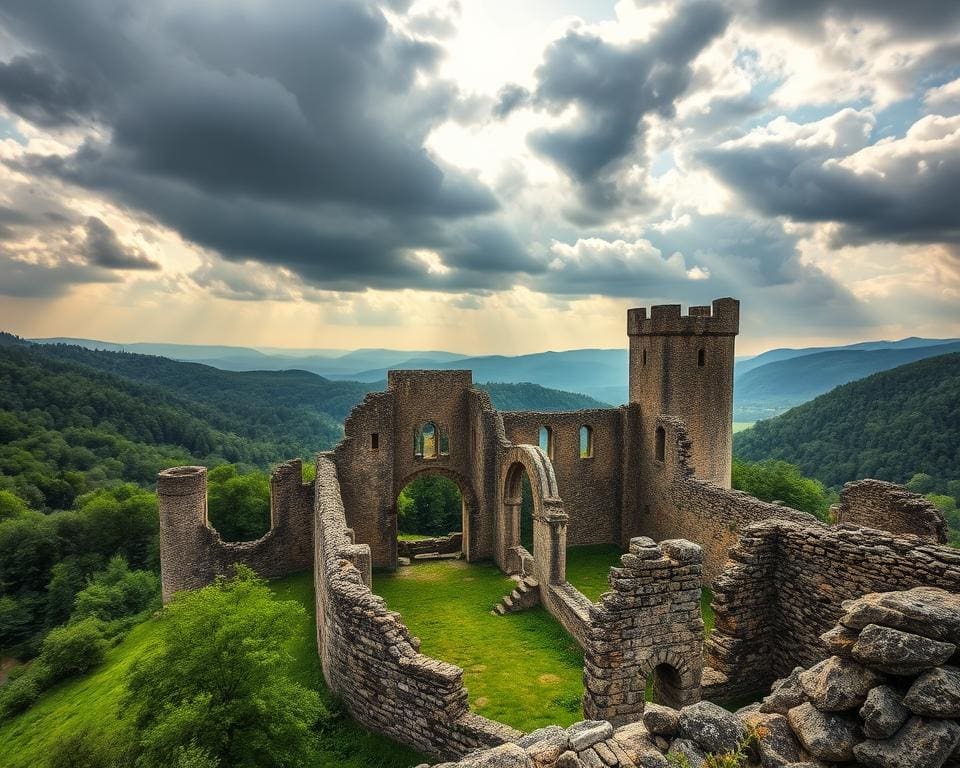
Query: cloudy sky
477, 175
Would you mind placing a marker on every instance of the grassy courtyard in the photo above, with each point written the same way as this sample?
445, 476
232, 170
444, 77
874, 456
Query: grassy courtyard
522, 669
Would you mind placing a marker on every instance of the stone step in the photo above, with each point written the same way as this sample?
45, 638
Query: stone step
515, 594
530, 583
507, 602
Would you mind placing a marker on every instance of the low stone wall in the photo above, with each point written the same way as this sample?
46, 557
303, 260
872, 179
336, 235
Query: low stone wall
368, 655
192, 553
440, 545
785, 587
648, 625
890, 507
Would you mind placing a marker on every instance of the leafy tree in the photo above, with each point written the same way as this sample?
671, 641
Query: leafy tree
74, 648
11, 506
780, 481
220, 680
67, 578
238, 506
117, 592
430, 505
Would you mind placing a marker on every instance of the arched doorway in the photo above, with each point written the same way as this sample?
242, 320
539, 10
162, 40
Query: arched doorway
435, 505
540, 522
664, 686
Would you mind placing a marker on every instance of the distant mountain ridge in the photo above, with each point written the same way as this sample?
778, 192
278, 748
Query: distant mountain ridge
780, 385
766, 384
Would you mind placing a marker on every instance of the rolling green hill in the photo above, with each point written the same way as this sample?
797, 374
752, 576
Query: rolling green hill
889, 426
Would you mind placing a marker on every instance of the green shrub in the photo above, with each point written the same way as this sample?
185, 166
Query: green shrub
18, 694
117, 592
74, 648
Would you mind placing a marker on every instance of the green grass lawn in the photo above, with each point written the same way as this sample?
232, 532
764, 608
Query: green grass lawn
413, 537
522, 669
91, 704
589, 565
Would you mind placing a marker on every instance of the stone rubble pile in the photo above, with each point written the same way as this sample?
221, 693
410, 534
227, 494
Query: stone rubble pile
888, 697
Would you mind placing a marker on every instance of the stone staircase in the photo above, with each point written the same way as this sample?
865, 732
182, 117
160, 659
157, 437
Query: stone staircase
526, 595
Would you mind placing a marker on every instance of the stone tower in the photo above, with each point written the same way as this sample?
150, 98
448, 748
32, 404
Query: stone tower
184, 539
682, 365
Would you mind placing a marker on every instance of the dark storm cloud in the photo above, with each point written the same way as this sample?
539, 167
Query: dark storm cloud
33, 89
293, 138
907, 193
104, 249
905, 17
613, 87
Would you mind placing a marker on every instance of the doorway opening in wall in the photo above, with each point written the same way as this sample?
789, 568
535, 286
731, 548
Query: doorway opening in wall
526, 513
430, 507
663, 686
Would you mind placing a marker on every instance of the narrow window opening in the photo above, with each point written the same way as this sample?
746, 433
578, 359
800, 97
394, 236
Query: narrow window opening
375, 440
646, 509
586, 442
644, 358
661, 443
444, 443
425, 441
701, 358
546, 441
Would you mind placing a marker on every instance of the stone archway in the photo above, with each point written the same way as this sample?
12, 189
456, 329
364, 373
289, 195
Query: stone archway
470, 516
547, 561
675, 683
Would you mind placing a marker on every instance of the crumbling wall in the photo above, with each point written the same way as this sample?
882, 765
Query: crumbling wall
438, 545
368, 655
890, 507
590, 486
192, 553
786, 586
680, 505
648, 625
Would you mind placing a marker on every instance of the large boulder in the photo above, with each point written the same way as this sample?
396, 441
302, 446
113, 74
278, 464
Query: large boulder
883, 713
785, 694
839, 640
826, 736
586, 733
936, 693
546, 744
711, 726
919, 744
660, 720
696, 757
836, 684
898, 652
927, 611
776, 745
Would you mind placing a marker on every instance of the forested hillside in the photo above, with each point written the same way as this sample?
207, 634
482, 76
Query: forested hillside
891, 426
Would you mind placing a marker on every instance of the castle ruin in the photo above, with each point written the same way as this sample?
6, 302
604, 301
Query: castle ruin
652, 476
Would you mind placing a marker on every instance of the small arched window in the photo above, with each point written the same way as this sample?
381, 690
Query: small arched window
546, 441
444, 443
425, 441
586, 442
701, 358
661, 444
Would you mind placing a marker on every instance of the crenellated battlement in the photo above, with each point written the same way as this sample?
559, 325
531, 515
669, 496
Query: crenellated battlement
720, 319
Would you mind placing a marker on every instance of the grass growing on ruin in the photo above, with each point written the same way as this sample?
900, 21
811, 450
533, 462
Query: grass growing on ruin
91, 704
522, 669
589, 565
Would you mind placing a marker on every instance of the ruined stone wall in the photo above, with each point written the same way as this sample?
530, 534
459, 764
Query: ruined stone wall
890, 507
369, 656
649, 624
676, 504
590, 487
192, 553
786, 586
438, 545
368, 495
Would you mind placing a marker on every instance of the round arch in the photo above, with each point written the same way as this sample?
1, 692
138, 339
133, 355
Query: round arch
471, 520
675, 682
547, 507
